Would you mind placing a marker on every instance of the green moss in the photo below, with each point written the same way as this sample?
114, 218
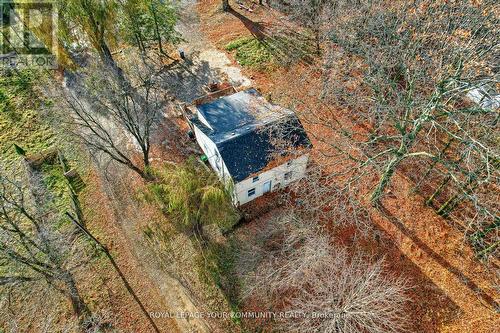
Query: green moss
57, 185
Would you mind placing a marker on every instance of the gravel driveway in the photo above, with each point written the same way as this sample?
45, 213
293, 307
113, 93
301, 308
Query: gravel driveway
203, 64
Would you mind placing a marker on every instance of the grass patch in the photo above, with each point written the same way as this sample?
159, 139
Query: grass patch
270, 52
21, 124
251, 52
19, 120
57, 185
217, 271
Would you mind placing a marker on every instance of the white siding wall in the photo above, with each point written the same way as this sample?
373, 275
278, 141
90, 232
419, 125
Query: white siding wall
202, 118
276, 176
210, 149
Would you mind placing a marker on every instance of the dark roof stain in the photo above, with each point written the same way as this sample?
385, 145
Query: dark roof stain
244, 126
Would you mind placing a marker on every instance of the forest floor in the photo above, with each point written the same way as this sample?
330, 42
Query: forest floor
453, 291
127, 218
119, 219
116, 213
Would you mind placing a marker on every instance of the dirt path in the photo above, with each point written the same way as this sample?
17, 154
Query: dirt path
126, 220
103, 221
130, 217
203, 64
201, 50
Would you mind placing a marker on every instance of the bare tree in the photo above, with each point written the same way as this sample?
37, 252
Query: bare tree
114, 120
401, 74
415, 62
35, 250
349, 294
292, 266
310, 13
396, 84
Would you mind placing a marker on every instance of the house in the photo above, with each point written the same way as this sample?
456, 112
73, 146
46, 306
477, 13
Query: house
254, 146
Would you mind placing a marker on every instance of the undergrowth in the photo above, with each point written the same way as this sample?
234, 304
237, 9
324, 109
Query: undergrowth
217, 271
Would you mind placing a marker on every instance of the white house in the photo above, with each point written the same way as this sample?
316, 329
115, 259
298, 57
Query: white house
253, 145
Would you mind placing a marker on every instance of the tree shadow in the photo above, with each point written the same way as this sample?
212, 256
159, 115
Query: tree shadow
256, 28
285, 43
429, 307
188, 80
481, 294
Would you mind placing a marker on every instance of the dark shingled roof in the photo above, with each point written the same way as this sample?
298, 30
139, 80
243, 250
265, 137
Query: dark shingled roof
243, 126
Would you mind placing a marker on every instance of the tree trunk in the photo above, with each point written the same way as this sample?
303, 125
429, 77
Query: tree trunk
138, 171
453, 202
157, 31
407, 142
140, 43
107, 59
106, 55
317, 41
433, 165
438, 191
385, 179
147, 174
80, 309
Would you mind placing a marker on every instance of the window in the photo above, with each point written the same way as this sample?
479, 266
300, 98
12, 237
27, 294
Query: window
251, 192
288, 175
255, 179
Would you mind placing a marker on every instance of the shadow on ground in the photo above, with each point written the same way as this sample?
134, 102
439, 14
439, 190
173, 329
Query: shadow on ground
188, 79
286, 44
